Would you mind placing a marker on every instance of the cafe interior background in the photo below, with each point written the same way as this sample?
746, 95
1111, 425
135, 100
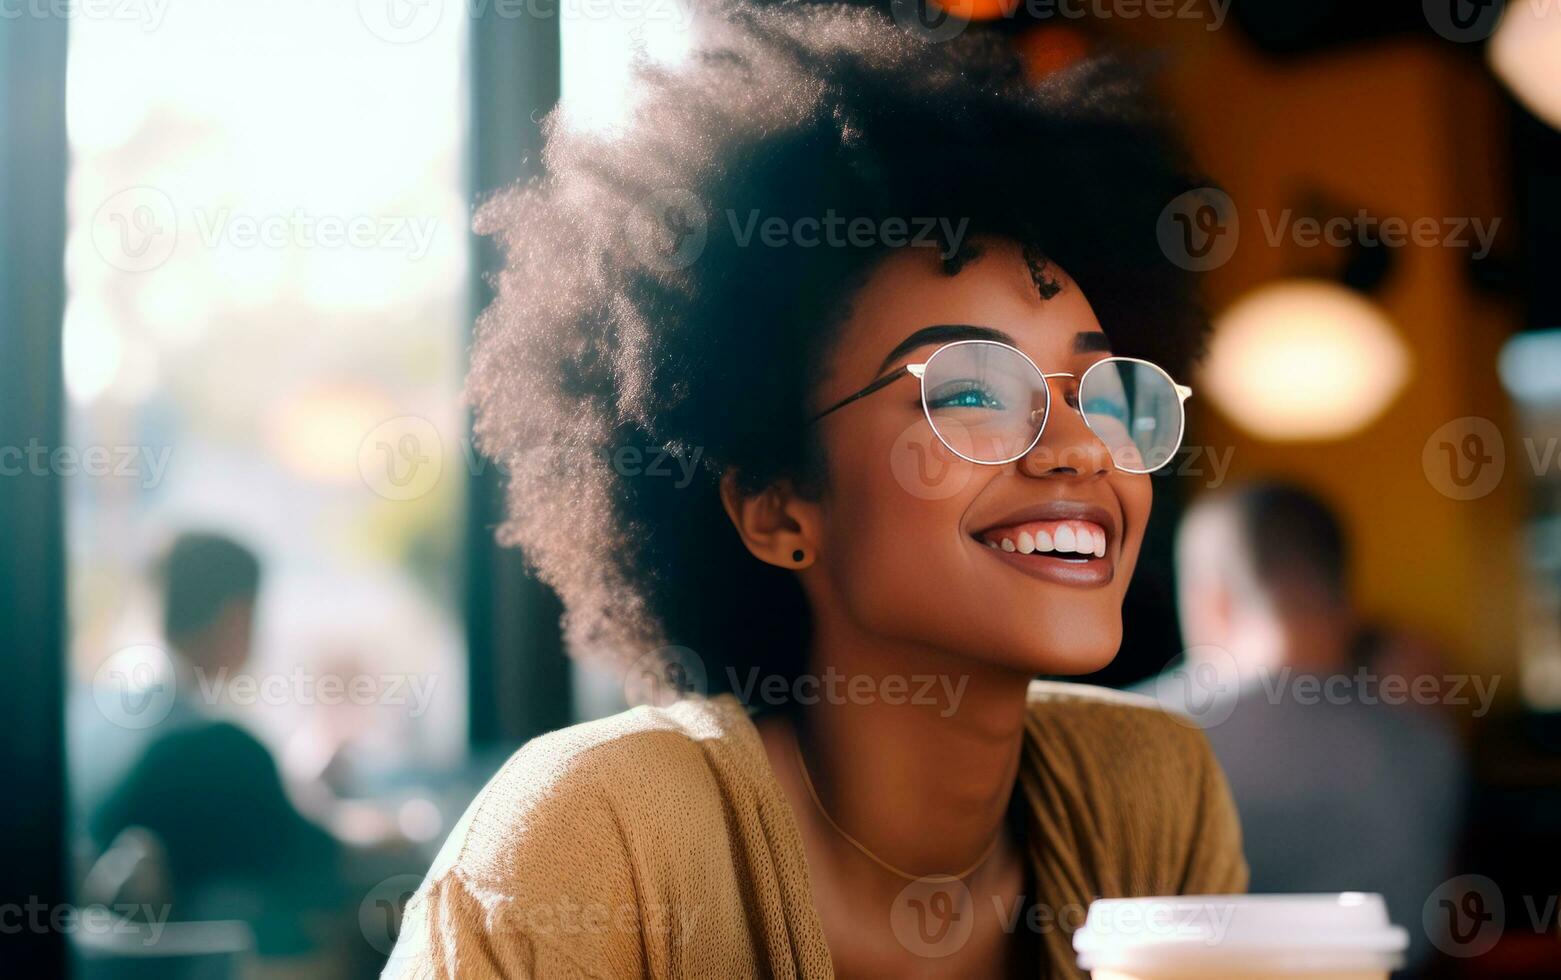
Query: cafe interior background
237, 281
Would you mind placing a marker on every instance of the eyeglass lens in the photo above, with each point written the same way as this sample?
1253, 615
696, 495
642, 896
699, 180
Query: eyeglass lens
988, 403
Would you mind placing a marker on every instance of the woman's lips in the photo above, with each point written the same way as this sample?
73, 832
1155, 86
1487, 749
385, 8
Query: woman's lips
1067, 552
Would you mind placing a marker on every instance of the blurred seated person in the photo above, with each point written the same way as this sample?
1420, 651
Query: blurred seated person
1338, 790
202, 794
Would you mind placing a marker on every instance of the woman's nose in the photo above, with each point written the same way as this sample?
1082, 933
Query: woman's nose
1068, 446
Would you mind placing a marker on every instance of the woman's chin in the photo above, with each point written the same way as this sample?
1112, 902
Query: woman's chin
1075, 659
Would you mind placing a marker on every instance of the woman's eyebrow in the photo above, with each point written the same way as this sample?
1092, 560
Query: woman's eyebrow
1084, 342
944, 333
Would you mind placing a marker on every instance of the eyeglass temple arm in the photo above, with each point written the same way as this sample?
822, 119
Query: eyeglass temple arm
914, 370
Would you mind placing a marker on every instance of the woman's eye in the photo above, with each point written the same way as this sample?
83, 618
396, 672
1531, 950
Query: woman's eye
965, 396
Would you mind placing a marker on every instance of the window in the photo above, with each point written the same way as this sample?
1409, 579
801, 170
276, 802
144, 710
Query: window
267, 277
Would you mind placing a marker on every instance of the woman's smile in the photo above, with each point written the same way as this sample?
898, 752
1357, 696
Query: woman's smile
1065, 542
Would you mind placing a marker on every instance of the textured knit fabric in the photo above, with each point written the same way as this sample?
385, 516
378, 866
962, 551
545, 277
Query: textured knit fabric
658, 843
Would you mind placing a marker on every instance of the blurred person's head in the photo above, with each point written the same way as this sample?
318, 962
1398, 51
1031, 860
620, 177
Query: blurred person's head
817, 202
1262, 574
210, 584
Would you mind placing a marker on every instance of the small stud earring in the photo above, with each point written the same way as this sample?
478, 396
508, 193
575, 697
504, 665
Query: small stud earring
797, 555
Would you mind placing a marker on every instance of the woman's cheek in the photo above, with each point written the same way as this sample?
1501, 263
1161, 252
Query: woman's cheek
1136, 493
895, 524
924, 469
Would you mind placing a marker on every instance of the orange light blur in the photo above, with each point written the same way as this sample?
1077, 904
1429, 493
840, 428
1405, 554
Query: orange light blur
978, 9
1048, 50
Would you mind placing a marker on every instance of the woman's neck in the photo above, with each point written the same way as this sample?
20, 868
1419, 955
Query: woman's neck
913, 752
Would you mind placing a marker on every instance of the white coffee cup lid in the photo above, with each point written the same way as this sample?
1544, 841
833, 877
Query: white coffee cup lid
1348, 930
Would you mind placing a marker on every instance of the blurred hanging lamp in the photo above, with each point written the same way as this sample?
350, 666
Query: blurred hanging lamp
1309, 357
1304, 359
1525, 53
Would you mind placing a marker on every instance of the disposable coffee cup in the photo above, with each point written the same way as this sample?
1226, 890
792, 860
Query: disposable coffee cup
1240, 937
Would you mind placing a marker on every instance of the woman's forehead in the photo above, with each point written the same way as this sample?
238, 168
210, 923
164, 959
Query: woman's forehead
908, 292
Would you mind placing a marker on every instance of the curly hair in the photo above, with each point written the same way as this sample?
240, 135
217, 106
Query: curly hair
639, 319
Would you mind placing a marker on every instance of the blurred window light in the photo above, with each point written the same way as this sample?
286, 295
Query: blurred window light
1525, 53
1530, 367
599, 46
1530, 370
318, 432
267, 260
92, 349
1304, 359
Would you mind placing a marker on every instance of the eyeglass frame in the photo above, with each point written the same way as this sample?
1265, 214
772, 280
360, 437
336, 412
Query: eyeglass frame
919, 372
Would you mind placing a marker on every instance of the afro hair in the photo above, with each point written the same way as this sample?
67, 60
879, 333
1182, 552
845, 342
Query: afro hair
643, 340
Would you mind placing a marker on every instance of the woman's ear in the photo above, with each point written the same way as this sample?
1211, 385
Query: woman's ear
777, 525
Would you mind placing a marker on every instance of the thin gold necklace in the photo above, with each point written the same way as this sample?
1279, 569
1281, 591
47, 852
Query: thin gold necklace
807, 780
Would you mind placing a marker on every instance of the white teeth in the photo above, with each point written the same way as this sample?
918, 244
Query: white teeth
1086, 545
1077, 538
1066, 540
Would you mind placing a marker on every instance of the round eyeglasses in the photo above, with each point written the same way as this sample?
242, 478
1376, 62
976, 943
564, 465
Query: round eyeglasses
988, 403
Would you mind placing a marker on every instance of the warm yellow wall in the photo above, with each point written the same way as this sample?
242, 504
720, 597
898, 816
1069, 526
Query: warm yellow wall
1402, 129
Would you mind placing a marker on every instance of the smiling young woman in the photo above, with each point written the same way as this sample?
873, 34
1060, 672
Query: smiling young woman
924, 482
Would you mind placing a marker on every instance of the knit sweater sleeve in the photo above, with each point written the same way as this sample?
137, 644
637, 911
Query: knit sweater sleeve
451, 929
1126, 800
647, 844
536, 881
1216, 864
